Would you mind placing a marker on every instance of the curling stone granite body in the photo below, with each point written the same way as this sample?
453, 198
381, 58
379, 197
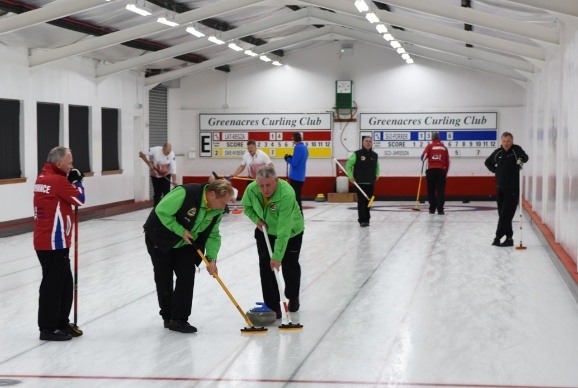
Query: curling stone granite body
262, 318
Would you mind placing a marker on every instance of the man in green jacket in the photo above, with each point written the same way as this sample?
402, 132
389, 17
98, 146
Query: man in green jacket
271, 202
363, 168
189, 214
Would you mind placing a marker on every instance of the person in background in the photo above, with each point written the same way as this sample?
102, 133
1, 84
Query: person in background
189, 213
438, 165
506, 162
57, 189
298, 163
253, 158
363, 168
163, 169
270, 202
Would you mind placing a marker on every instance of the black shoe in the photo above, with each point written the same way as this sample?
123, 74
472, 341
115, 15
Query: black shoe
227, 210
72, 330
496, 242
54, 335
508, 243
182, 326
364, 224
441, 213
294, 305
432, 212
278, 314
166, 323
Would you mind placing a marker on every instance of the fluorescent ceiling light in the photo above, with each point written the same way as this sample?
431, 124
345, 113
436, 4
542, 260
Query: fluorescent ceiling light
361, 6
401, 50
167, 22
140, 9
405, 56
251, 53
216, 40
276, 63
381, 28
233, 46
372, 17
265, 58
395, 44
388, 37
409, 60
198, 34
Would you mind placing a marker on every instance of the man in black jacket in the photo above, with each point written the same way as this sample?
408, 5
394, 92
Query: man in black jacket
506, 162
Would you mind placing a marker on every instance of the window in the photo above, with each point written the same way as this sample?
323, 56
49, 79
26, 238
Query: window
48, 130
10, 139
79, 135
110, 139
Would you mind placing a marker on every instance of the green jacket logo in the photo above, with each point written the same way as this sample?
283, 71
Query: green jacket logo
273, 207
192, 212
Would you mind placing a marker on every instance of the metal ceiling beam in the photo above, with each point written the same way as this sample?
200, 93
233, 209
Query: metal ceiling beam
424, 41
482, 19
439, 30
567, 7
201, 43
146, 29
431, 54
277, 44
47, 13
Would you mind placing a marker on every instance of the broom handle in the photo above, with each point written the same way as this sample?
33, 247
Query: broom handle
419, 185
75, 265
216, 276
354, 182
520, 205
280, 281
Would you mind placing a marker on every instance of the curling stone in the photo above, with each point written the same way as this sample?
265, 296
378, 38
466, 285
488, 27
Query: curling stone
320, 198
262, 315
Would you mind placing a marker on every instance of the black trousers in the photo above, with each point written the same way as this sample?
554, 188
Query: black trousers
297, 185
363, 215
55, 299
436, 180
175, 304
507, 204
290, 269
161, 187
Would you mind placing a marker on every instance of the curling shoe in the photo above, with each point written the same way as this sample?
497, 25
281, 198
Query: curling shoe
278, 314
508, 243
72, 330
166, 323
294, 305
496, 242
54, 335
181, 326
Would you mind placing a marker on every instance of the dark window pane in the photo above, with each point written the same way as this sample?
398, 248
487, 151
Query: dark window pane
10, 139
78, 124
110, 139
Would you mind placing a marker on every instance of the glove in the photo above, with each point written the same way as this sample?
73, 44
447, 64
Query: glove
74, 176
520, 163
287, 156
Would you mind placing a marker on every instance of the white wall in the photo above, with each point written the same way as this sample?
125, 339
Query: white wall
67, 82
552, 174
306, 83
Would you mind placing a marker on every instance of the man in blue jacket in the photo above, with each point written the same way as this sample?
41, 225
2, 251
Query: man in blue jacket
298, 163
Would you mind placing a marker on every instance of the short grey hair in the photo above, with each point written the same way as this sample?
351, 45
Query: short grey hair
56, 154
266, 172
435, 136
508, 134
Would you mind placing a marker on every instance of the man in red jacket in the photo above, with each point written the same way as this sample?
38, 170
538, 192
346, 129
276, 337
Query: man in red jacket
438, 164
57, 188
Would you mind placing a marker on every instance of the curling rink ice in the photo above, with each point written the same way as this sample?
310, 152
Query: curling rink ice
414, 300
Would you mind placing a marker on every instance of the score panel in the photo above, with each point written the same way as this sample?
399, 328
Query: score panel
276, 144
470, 143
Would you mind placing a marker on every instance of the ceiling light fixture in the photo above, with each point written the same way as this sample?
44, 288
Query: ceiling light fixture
251, 53
372, 17
140, 9
265, 58
409, 61
168, 22
216, 40
233, 46
401, 50
405, 56
361, 6
276, 63
395, 44
197, 33
388, 37
381, 28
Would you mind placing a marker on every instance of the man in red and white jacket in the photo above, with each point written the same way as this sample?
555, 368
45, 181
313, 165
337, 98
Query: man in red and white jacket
438, 165
57, 189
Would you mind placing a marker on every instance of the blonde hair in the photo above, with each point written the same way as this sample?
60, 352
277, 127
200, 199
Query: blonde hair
221, 188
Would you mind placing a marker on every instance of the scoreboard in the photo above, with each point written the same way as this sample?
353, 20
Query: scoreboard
398, 135
226, 135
